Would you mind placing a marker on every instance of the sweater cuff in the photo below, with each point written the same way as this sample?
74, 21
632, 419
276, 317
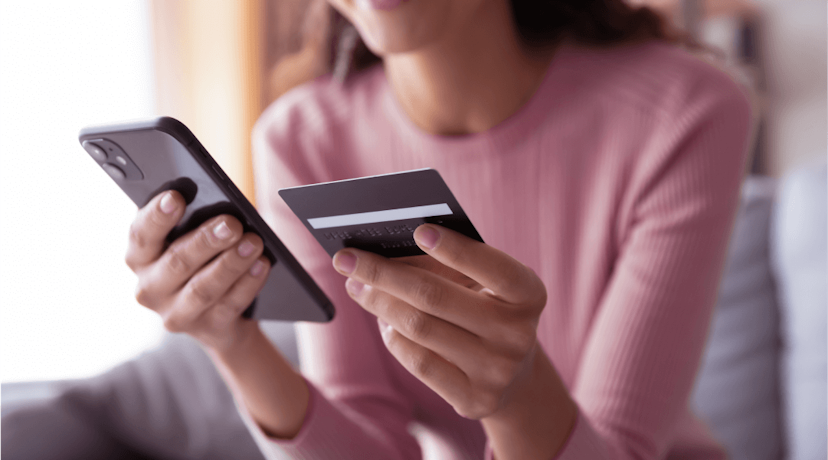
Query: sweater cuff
583, 442
312, 440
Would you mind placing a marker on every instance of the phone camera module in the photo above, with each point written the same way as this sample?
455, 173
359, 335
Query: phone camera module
95, 151
113, 171
113, 159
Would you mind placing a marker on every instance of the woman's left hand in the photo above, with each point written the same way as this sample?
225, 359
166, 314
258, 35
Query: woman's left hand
465, 326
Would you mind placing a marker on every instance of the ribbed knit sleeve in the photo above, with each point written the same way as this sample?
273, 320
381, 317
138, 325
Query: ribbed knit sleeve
645, 344
334, 431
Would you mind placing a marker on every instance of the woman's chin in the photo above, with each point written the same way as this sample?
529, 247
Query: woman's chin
384, 44
384, 5
395, 26
385, 32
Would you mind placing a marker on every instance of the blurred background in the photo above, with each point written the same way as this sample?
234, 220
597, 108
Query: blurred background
66, 306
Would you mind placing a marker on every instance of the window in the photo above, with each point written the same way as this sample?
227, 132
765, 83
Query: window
66, 303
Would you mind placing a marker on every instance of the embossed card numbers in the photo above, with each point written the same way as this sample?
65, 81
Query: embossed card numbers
377, 213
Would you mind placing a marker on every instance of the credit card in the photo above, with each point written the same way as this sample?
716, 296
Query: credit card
377, 213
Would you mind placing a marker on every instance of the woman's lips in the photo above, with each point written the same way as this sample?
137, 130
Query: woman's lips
379, 4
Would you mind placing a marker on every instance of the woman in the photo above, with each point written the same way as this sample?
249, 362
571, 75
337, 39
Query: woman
600, 165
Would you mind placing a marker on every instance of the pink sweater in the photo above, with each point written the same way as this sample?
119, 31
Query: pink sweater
617, 183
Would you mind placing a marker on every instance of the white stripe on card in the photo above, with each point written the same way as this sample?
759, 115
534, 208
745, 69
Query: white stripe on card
374, 217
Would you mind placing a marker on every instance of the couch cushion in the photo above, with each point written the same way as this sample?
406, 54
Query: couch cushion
799, 251
167, 404
48, 430
737, 390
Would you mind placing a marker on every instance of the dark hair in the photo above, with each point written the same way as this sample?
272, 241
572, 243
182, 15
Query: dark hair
593, 22
540, 23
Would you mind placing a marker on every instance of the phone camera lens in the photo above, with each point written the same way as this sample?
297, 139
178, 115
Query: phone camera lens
94, 151
113, 171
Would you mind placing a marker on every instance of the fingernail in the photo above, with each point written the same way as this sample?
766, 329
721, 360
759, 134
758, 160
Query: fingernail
222, 231
427, 236
354, 287
257, 268
345, 262
167, 204
246, 249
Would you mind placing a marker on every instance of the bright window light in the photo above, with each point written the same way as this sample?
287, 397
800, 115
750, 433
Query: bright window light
66, 297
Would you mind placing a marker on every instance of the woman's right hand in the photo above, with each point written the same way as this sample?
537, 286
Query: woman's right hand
201, 282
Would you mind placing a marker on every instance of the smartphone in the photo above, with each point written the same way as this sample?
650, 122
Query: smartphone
148, 157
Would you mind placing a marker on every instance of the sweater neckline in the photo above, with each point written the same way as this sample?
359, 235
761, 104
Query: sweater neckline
496, 140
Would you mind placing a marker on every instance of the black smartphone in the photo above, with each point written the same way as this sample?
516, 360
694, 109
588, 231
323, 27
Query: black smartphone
148, 157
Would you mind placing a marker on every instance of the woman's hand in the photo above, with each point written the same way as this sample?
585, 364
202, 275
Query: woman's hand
464, 321
468, 332
202, 282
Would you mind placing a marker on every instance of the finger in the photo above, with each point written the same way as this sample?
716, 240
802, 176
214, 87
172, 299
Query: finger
208, 285
241, 294
431, 264
455, 344
189, 253
446, 379
428, 292
509, 279
149, 230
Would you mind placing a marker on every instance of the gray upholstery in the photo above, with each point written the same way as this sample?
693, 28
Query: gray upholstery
48, 429
799, 252
737, 390
169, 403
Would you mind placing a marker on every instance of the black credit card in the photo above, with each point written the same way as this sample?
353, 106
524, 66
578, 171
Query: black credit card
377, 213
